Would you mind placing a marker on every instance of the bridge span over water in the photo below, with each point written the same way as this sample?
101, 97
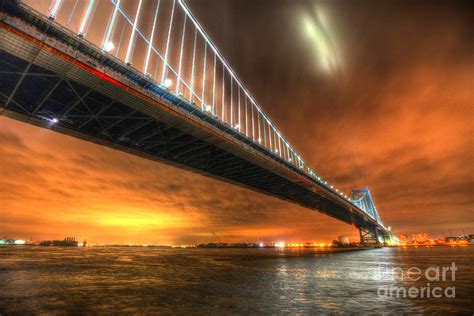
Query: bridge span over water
145, 78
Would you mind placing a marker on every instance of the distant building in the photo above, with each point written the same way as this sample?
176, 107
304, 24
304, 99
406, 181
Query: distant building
452, 238
67, 242
403, 238
343, 240
4, 242
419, 238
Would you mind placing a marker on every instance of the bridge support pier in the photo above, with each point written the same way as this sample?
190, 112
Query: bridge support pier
368, 236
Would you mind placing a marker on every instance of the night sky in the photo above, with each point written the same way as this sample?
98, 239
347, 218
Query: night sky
370, 93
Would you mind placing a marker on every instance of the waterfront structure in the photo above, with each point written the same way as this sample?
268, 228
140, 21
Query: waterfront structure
66, 242
343, 240
158, 88
7, 242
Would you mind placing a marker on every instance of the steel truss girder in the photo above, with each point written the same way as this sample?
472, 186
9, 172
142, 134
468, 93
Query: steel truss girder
17, 86
168, 140
29, 74
206, 154
135, 128
192, 144
46, 97
95, 117
191, 150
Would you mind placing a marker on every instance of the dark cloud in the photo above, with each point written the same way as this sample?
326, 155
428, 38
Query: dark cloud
398, 119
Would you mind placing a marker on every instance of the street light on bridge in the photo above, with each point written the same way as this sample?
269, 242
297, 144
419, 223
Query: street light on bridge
109, 46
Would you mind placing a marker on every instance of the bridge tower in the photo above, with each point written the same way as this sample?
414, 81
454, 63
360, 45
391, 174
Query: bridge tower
369, 234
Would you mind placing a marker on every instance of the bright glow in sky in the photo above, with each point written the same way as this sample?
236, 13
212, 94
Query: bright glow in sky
318, 31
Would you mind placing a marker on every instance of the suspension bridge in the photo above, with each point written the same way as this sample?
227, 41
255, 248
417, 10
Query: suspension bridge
144, 77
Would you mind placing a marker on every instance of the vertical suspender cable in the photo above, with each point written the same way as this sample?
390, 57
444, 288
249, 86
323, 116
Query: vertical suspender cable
259, 134
119, 45
246, 118
132, 35
152, 36
269, 136
165, 63
253, 123
192, 67
231, 103
72, 13
110, 26
89, 21
204, 77
214, 84
279, 145
55, 9
223, 90
86, 17
264, 133
275, 139
238, 108
181, 55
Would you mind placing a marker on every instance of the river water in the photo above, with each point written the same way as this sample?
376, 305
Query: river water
236, 281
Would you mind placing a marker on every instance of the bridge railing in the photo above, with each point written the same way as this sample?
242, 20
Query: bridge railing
164, 41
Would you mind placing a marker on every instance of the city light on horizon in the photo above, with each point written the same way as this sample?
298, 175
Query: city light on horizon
324, 32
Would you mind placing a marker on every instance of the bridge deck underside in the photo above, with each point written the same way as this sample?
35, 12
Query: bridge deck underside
38, 86
34, 92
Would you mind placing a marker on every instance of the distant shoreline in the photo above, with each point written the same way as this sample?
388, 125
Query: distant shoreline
312, 249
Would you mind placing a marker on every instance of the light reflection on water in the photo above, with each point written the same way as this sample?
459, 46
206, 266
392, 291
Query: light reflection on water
137, 280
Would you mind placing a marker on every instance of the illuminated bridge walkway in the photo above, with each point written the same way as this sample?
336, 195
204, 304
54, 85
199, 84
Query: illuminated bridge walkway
143, 77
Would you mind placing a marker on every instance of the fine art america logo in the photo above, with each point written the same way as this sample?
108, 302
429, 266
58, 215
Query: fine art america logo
437, 278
